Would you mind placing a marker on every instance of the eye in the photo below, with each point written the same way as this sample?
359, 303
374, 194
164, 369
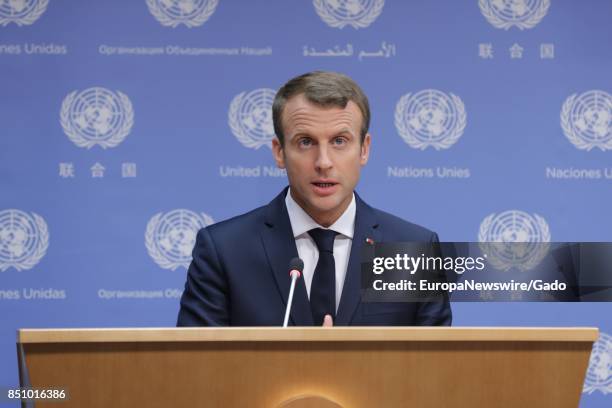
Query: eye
339, 141
305, 142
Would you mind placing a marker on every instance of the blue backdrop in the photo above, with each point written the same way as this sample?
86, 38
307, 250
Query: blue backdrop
128, 125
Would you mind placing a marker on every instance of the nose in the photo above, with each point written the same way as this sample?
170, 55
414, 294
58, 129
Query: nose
323, 161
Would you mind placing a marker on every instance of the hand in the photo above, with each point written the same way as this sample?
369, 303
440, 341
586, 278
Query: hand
328, 321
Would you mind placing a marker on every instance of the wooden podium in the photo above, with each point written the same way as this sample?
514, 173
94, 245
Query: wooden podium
309, 367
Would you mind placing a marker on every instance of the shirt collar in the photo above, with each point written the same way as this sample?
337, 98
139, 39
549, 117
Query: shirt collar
301, 222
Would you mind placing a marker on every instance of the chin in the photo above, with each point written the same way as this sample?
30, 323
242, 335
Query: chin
324, 206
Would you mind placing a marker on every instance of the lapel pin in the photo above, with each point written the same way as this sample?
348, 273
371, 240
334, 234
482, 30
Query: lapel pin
369, 241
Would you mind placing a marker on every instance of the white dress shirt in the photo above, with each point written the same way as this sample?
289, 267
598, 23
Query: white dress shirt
301, 223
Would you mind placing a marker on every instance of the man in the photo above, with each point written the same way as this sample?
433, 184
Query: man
239, 274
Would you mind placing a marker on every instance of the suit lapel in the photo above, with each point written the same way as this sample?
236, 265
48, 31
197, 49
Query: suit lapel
279, 245
366, 226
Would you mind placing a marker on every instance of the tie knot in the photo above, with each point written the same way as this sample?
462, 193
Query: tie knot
324, 239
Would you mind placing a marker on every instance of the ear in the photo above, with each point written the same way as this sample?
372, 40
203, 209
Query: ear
365, 149
278, 153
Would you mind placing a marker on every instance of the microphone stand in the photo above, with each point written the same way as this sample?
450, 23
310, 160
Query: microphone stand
295, 274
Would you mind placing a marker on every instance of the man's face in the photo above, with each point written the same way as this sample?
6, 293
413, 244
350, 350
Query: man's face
323, 156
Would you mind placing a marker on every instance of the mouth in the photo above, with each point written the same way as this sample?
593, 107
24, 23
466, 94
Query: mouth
325, 187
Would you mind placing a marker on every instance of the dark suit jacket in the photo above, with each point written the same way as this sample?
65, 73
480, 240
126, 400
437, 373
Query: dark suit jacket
239, 274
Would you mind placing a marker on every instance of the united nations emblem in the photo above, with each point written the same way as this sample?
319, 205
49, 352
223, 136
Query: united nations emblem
21, 12
523, 14
486, 294
514, 239
170, 237
24, 239
191, 13
430, 118
96, 116
250, 118
586, 120
355, 13
599, 373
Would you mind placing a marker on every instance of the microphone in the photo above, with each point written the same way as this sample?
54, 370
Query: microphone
296, 266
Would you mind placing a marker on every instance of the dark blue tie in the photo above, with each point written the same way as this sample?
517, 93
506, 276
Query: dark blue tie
323, 287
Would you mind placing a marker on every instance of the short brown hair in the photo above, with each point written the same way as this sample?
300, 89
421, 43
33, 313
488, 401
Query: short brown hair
324, 89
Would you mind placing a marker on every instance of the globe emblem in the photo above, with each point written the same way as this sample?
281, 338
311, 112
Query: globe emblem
514, 239
21, 12
191, 13
96, 116
430, 118
523, 14
16, 8
356, 13
599, 373
586, 120
170, 237
513, 9
24, 239
250, 118
486, 295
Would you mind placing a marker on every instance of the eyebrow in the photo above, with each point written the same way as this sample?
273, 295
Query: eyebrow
304, 132
345, 130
